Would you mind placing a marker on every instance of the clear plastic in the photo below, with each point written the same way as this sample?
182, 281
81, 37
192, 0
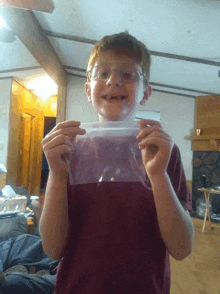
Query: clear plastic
3, 169
107, 152
8, 191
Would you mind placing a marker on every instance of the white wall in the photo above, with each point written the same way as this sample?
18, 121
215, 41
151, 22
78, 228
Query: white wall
5, 106
177, 115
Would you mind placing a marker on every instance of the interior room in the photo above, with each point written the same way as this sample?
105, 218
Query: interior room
44, 54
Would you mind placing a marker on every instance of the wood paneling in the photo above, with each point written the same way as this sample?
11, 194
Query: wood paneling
26, 130
207, 119
38, 153
26, 148
213, 131
206, 146
207, 112
32, 186
11, 163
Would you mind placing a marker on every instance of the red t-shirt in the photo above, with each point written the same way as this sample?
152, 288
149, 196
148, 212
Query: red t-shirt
114, 245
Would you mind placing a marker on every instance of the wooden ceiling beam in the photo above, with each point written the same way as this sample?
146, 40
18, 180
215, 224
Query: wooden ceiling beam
27, 28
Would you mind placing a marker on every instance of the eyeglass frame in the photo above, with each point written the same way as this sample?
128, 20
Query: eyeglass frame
132, 81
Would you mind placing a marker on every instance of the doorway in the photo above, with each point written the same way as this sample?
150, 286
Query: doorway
26, 150
49, 124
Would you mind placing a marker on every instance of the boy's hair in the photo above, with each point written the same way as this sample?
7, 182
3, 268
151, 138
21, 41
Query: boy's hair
122, 43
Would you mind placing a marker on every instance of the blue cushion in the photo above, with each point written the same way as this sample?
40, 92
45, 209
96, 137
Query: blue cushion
13, 227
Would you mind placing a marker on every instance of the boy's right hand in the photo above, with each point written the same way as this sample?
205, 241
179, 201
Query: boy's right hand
57, 146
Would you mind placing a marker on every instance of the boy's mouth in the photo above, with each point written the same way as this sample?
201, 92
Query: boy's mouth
120, 97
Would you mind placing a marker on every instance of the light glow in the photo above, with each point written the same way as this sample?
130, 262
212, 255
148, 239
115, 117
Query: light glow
43, 87
2, 23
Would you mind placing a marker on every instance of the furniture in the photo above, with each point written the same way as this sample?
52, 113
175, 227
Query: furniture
207, 193
206, 133
3, 177
13, 227
31, 225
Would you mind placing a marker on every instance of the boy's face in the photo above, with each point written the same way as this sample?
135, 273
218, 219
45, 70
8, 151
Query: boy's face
134, 92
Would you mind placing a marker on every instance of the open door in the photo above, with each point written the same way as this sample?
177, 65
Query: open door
49, 124
26, 132
27, 151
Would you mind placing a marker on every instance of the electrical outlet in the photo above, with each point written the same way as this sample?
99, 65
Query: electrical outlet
1, 146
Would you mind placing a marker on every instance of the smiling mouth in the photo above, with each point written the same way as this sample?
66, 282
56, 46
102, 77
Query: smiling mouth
114, 98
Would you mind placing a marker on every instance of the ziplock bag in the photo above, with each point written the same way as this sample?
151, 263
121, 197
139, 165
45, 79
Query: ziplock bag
107, 152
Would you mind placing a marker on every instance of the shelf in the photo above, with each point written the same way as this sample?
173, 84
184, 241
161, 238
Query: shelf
205, 137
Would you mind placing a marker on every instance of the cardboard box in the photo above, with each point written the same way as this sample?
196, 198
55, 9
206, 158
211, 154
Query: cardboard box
3, 180
10, 203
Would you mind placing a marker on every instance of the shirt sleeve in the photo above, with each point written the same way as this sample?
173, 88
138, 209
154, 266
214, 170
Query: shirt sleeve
177, 176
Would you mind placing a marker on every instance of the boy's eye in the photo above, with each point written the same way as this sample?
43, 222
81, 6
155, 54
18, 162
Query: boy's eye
103, 74
127, 75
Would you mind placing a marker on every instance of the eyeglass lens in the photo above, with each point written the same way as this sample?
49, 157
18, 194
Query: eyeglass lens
104, 72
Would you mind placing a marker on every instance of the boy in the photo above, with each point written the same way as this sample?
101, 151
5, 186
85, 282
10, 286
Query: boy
116, 239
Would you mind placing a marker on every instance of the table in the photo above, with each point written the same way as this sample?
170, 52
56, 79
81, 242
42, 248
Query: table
31, 225
207, 192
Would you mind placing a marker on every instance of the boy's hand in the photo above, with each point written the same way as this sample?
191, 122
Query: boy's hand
156, 146
58, 148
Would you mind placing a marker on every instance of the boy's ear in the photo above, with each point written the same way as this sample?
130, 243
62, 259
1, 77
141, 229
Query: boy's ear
88, 90
148, 91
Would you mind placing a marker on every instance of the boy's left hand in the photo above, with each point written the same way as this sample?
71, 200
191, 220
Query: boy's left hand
156, 146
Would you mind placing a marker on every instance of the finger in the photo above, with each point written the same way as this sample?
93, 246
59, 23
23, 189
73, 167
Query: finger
66, 124
160, 138
71, 132
62, 151
150, 122
150, 130
57, 141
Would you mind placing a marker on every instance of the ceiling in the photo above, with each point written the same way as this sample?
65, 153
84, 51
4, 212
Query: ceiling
183, 37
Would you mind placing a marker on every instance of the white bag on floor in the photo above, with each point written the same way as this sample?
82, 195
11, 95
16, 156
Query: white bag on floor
7, 191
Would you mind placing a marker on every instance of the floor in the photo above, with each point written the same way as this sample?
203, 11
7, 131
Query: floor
199, 273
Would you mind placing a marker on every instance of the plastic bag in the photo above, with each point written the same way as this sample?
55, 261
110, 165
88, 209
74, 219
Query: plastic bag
3, 169
107, 152
7, 191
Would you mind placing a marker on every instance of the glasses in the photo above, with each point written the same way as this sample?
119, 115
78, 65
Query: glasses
103, 72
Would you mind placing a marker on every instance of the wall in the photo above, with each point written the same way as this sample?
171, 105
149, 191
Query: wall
5, 99
177, 115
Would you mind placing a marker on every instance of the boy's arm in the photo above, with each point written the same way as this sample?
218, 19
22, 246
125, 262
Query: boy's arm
175, 223
53, 225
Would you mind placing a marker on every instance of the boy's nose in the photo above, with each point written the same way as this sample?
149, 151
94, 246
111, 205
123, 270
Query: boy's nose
114, 78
